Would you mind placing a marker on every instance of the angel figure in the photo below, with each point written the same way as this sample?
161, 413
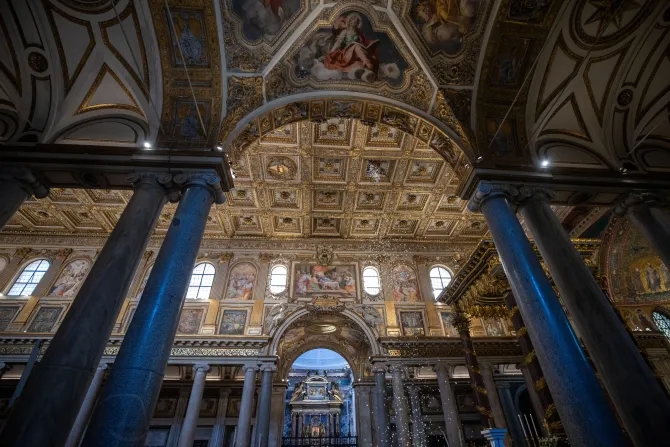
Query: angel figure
299, 392
276, 316
334, 391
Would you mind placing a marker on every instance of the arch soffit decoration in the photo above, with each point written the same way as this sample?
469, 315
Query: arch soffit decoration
279, 332
372, 110
591, 101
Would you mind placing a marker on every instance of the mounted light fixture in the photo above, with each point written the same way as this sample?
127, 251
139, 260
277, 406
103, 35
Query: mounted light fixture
147, 145
544, 163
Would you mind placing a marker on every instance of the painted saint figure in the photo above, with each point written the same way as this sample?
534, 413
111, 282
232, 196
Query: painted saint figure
192, 46
351, 50
637, 281
653, 278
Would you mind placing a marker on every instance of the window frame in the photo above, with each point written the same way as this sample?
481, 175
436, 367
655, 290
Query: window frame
440, 278
379, 280
272, 275
666, 320
30, 281
200, 286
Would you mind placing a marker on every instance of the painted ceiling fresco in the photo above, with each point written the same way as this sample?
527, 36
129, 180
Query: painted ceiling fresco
583, 82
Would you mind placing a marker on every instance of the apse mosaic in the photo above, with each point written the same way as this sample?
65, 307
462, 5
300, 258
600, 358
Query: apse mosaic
350, 49
316, 280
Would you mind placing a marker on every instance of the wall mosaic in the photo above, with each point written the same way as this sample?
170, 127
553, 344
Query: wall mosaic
405, 284
233, 322
45, 319
190, 321
635, 273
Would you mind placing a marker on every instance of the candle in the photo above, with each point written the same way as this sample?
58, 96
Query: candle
522, 427
534, 428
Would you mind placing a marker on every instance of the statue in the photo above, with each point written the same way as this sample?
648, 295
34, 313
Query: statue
299, 392
369, 314
276, 316
334, 391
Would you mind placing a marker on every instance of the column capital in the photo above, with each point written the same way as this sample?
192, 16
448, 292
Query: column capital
197, 367
532, 194
102, 367
152, 178
208, 180
268, 368
398, 368
635, 200
378, 369
442, 365
503, 385
246, 368
487, 190
26, 178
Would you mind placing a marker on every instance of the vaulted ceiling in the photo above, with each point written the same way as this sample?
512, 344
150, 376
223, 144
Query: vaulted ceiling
585, 83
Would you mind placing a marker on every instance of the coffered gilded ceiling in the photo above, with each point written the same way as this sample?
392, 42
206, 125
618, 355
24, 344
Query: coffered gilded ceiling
339, 178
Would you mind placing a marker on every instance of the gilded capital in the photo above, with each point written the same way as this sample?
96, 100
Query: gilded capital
487, 190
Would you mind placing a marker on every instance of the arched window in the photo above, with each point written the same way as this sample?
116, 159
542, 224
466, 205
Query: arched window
662, 322
278, 279
29, 278
439, 279
202, 279
371, 280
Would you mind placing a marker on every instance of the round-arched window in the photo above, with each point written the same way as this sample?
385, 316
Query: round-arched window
371, 280
278, 279
662, 322
202, 279
29, 278
439, 279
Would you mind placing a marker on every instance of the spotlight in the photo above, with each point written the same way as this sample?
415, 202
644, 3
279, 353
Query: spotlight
219, 148
480, 158
544, 163
147, 145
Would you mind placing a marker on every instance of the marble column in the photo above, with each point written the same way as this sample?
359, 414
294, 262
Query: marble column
123, 414
586, 414
194, 402
381, 411
86, 407
246, 407
219, 429
17, 185
264, 406
532, 373
452, 423
418, 430
492, 393
649, 213
462, 324
400, 407
364, 417
513, 427
637, 395
56, 388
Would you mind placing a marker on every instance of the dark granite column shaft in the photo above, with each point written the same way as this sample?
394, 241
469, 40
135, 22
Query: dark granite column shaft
126, 403
17, 185
462, 323
650, 215
56, 388
264, 407
587, 416
381, 411
552, 421
637, 395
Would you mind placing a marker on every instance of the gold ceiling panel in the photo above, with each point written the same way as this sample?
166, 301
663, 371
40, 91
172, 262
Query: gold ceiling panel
290, 191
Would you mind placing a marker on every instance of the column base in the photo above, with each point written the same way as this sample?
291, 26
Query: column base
495, 436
